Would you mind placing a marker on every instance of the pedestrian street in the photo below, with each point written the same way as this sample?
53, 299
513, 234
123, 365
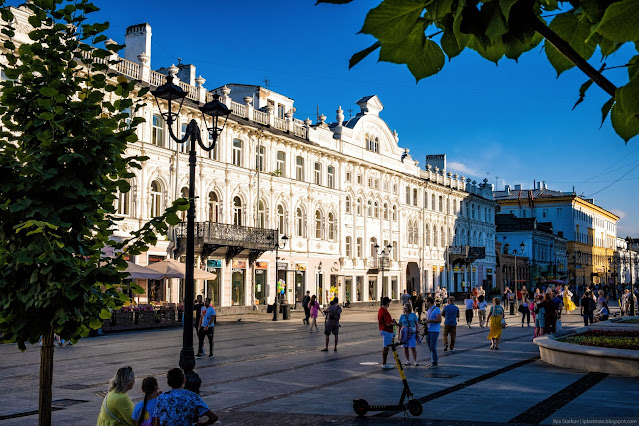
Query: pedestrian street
267, 373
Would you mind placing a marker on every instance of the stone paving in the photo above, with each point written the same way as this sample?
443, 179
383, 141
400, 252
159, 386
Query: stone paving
268, 373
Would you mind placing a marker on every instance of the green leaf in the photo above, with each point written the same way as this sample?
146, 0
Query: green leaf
393, 20
574, 30
605, 110
357, 57
450, 45
619, 22
35, 21
633, 68
49, 92
95, 323
582, 92
422, 56
505, 6
173, 219
628, 95
626, 126
45, 116
12, 73
105, 314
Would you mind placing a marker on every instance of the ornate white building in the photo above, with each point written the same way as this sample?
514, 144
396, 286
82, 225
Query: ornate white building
337, 190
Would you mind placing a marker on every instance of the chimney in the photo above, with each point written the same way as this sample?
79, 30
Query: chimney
507, 189
544, 186
138, 41
518, 187
186, 73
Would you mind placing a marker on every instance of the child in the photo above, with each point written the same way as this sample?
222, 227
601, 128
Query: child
143, 409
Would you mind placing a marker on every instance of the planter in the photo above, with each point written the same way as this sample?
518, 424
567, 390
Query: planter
167, 315
145, 317
123, 319
106, 324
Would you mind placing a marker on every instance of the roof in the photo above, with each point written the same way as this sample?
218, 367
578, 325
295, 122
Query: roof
515, 194
509, 222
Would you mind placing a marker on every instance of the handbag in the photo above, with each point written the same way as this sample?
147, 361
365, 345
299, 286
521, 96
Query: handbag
503, 323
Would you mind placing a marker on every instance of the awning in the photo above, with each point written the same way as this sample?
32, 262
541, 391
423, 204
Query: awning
137, 272
170, 268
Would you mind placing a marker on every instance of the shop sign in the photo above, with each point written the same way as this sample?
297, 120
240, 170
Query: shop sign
434, 268
213, 263
456, 269
489, 271
300, 266
441, 268
239, 264
259, 272
281, 266
261, 265
155, 259
474, 269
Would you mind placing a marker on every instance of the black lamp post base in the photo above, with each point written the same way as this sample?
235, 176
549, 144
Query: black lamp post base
187, 363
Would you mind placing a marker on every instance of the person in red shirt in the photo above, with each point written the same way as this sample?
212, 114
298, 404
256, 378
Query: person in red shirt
386, 323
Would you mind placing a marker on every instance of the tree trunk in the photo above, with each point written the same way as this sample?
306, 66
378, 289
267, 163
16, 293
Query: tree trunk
46, 379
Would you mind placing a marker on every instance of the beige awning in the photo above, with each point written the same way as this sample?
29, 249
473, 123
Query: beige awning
170, 268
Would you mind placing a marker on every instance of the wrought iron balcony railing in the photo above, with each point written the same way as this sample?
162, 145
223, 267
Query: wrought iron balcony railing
224, 234
379, 263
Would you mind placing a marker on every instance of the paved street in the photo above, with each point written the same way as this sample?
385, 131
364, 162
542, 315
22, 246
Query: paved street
274, 373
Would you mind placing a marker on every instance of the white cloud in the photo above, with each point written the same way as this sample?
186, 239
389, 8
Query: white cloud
463, 169
619, 213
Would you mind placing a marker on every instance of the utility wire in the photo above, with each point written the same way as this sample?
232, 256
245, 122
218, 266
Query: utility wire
615, 181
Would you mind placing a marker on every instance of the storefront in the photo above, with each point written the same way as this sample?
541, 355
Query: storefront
157, 290
359, 288
320, 286
348, 289
372, 288
238, 283
212, 287
300, 279
261, 279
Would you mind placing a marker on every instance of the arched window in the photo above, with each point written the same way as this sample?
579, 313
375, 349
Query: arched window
373, 244
348, 204
319, 225
331, 226
359, 207
281, 219
184, 193
237, 152
376, 146
394, 213
434, 236
443, 239
385, 211
376, 210
300, 228
416, 233
261, 215
157, 201
427, 234
237, 211
214, 207
370, 208
409, 229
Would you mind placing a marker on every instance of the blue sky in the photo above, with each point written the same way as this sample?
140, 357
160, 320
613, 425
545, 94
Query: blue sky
511, 123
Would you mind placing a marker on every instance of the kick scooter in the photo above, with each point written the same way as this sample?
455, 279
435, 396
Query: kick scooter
413, 406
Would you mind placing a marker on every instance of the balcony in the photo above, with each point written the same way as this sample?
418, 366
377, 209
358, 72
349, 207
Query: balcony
378, 264
211, 236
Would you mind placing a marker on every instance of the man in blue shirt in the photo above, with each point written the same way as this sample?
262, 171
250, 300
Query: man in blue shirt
181, 407
206, 328
451, 315
432, 322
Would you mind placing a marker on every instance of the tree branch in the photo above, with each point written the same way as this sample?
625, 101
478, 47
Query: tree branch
562, 46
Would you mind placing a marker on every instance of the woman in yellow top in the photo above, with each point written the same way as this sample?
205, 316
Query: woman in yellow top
117, 407
494, 319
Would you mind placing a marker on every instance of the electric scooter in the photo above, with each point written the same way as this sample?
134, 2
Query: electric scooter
361, 406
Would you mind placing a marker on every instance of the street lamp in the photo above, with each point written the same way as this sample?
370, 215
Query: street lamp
278, 246
632, 293
522, 247
218, 111
383, 256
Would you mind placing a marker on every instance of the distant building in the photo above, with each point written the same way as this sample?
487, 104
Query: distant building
590, 230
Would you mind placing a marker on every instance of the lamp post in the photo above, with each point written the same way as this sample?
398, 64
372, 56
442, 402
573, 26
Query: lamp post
632, 292
217, 111
278, 245
383, 255
515, 252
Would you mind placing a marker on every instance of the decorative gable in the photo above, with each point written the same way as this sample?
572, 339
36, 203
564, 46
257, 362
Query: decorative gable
370, 105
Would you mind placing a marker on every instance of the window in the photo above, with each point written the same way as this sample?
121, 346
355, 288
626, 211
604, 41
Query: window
376, 210
394, 213
318, 174
414, 197
319, 225
349, 242
447, 206
409, 229
237, 152
386, 186
441, 234
395, 251
359, 248
281, 163
261, 215
407, 194
370, 208
370, 182
331, 226
183, 147
348, 176
376, 183
260, 154
330, 174
214, 207
372, 247
435, 236
425, 199
214, 153
281, 110
394, 188
441, 204
544, 213
427, 234
299, 168
359, 207
123, 203
156, 199
348, 204
237, 211
433, 205
359, 179
376, 145
157, 131
385, 211
300, 228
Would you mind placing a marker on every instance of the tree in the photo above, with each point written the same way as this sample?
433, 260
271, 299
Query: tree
422, 33
67, 119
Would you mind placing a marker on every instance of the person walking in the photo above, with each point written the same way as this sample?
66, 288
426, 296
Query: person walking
333, 313
419, 306
433, 324
524, 308
117, 407
142, 413
408, 333
451, 315
470, 306
181, 407
506, 297
550, 314
206, 329
494, 319
587, 308
405, 297
569, 306
540, 316
198, 305
481, 309
307, 311
314, 308
385, 322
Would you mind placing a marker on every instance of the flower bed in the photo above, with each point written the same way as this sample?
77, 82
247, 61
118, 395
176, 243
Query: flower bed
630, 321
616, 339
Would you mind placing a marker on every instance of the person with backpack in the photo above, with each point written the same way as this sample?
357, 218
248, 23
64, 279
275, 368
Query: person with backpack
333, 313
588, 307
307, 311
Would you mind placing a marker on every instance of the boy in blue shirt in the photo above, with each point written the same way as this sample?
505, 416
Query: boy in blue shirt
451, 315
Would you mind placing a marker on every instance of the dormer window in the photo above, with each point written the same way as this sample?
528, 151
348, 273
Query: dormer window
372, 143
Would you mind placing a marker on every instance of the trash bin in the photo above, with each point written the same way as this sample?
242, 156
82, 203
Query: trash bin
269, 309
286, 311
